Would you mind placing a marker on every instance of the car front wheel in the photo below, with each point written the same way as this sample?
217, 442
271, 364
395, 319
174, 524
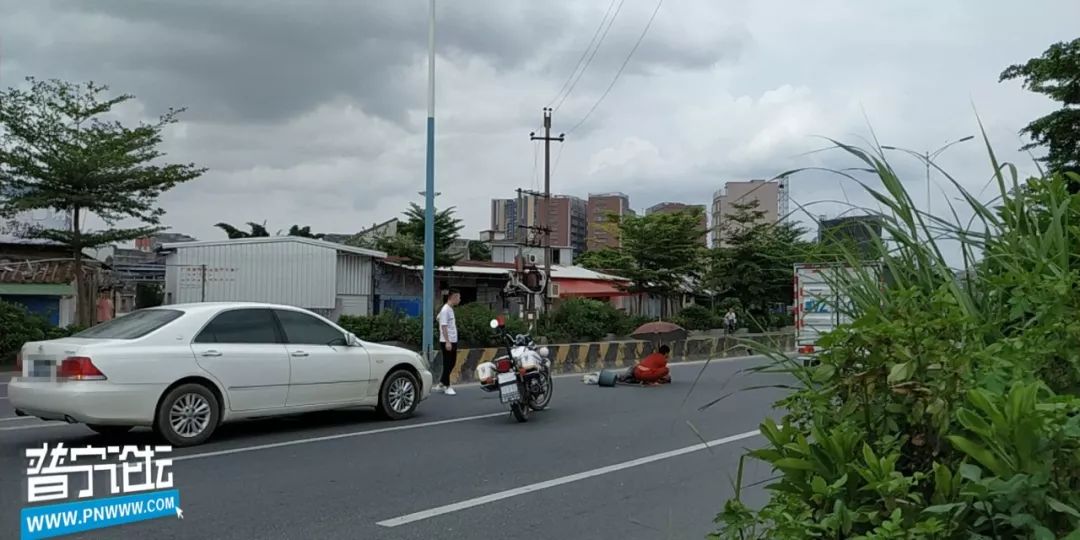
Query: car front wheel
188, 415
399, 395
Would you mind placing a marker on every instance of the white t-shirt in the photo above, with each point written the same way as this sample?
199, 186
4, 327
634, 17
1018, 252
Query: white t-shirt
447, 319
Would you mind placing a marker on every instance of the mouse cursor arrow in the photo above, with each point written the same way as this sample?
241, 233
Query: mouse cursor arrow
179, 513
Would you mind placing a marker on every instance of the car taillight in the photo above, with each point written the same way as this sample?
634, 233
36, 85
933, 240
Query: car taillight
79, 368
503, 365
806, 349
18, 361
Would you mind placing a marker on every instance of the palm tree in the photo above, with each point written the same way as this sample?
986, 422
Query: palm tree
257, 230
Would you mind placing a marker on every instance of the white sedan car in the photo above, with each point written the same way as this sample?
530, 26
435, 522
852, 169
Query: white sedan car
185, 369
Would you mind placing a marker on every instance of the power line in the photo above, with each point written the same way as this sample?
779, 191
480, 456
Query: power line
558, 158
591, 56
584, 53
621, 68
536, 167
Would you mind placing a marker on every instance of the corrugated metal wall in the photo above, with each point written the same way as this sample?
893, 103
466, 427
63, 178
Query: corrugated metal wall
290, 273
355, 305
353, 274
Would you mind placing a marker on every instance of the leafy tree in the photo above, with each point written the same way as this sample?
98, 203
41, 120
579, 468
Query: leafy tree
664, 250
148, 295
304, 232
755, 264
60, 151
479, 251
609, 261
409, 241
1055, 74
256, 230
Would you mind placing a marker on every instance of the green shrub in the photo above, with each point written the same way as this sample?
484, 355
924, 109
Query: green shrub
386, 326
473, 322
948, 408
583, 319
18, 326
474, 325
695, 317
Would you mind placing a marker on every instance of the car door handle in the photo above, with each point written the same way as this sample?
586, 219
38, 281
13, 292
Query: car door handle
299, 354
211, 353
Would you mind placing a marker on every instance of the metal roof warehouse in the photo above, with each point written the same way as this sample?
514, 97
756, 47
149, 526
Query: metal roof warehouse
328, 278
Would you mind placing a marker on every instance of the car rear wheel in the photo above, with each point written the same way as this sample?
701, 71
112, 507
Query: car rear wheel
188, 415
109, 430
399, 395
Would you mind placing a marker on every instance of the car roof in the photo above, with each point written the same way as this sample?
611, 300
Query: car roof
198, 307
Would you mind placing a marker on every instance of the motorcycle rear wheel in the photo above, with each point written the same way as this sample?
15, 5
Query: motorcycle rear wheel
520, 410
539, 404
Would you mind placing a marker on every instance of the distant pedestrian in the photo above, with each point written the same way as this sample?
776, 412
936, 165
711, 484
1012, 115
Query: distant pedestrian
448, 340
104, 306
730, 321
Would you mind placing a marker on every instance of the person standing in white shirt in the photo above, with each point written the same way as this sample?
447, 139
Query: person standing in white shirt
448, 340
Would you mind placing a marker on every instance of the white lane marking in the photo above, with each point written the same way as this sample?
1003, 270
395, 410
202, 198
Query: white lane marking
502, 495
336, 436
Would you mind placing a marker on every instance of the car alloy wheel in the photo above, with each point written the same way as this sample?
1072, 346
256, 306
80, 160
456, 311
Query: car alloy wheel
401, 394
189, 415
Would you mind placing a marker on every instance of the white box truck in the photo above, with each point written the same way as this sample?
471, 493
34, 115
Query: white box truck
816, 304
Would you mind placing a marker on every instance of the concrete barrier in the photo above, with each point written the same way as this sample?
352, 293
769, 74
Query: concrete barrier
590, 357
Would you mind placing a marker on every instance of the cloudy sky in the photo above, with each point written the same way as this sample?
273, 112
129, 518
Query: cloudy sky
312, 111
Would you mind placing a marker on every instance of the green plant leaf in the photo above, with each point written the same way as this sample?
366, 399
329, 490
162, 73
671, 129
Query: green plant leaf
1061, 507
973, 422
795, 464
901, 372
979, 453
949, 508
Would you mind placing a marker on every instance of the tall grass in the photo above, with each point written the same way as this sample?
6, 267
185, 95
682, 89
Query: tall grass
912, 421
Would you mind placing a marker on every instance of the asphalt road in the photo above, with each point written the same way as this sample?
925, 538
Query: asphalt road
619, 463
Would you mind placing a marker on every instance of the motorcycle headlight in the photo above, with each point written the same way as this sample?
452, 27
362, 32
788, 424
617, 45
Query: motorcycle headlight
544, 352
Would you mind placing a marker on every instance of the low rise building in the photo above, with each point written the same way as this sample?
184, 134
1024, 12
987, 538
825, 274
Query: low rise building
330, 279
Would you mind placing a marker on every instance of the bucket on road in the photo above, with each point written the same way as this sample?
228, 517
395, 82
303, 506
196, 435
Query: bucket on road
608, 377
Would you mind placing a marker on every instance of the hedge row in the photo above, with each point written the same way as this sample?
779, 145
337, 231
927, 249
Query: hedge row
574, 320
18, 326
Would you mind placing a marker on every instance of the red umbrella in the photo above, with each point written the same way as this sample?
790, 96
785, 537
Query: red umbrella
660, 331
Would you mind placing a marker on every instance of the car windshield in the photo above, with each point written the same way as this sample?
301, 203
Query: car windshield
133, 325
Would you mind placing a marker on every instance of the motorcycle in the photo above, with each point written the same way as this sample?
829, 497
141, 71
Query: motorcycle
522, 377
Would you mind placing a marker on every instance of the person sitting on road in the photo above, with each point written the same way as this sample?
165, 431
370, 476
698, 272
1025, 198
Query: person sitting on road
653, 369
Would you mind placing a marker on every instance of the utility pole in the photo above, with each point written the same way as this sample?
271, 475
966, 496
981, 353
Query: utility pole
547, 138
428, 302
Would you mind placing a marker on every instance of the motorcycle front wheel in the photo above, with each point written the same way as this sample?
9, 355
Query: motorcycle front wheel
520, 410
541, 400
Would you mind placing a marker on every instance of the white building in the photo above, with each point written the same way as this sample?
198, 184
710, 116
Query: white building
330, 279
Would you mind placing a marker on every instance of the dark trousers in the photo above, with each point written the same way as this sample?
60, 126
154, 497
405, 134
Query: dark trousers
449, 360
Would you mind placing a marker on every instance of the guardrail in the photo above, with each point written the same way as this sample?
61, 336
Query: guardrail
591, 357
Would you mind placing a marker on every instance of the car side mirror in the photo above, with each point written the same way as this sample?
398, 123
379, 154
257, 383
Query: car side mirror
353, 341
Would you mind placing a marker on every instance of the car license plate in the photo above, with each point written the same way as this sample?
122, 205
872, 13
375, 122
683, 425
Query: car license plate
505, 378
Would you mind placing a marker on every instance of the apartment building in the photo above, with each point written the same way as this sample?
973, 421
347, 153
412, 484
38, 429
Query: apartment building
600, 206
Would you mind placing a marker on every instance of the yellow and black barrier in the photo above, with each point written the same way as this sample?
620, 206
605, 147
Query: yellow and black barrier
591, 357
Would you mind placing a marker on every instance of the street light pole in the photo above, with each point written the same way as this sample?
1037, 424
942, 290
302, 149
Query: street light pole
428, 317
929, 156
